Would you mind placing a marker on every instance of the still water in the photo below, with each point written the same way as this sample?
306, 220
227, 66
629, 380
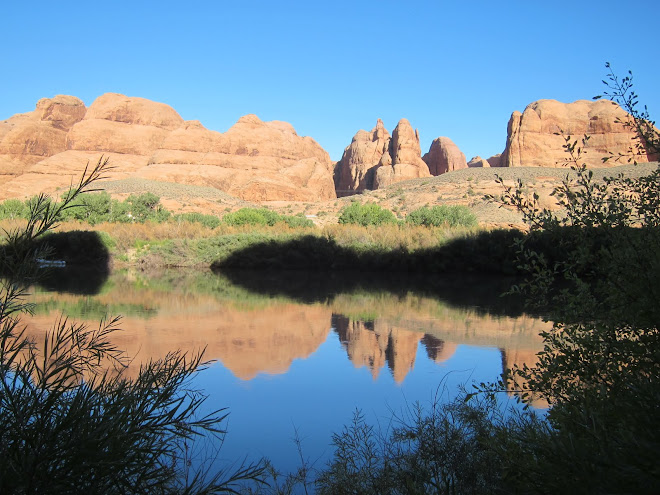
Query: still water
294, 354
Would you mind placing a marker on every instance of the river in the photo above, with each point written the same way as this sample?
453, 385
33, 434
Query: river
296, 354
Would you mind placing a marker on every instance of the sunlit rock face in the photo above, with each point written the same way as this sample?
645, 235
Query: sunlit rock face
355, 171
444, 156
478, 162
535, 137
27, 138
253, 160
375, 160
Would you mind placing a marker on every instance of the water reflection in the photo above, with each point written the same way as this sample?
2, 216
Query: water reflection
295, 351
261, 329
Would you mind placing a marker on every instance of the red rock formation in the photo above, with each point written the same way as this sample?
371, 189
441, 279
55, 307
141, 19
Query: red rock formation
27, 138
534, 136
406, 157
374, 160
355, 171
477, 161
444, 156
254, 160
495, 160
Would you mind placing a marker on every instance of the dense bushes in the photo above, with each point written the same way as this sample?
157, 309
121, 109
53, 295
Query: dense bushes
264, 216
366, 214
442, 216
94, 208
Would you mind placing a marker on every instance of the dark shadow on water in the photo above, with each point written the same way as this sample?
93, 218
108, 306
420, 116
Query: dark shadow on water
471, 271
86, 260
483, 293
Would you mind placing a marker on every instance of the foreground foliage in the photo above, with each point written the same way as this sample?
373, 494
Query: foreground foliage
70, 420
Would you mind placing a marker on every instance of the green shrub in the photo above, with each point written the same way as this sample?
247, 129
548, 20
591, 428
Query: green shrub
367, 214
297, 221
210, 221
92, 208
251, 216
264, 216
442, 216
12, 209
146, 206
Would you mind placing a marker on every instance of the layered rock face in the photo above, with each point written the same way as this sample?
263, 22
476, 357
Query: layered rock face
28, 138
374, 159
444, 156
254, 160
534, 136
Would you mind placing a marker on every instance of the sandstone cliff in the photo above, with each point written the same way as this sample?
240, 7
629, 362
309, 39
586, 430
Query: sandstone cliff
254, 160
534, 136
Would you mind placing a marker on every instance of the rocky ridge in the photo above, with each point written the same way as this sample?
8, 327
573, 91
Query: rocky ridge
254, 160
267, 162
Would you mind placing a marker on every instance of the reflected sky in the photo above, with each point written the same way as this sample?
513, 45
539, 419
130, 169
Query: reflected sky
282, 365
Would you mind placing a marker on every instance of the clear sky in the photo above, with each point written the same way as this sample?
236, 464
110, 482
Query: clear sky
330, 68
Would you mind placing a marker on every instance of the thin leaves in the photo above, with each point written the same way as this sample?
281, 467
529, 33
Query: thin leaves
71, 420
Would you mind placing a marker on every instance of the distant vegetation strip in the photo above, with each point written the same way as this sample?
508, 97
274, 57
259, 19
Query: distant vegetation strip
100, 207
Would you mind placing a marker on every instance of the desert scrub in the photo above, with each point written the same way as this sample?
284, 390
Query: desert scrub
366, 214
209, 221
264, 216
443, 216
205, 251
391, 236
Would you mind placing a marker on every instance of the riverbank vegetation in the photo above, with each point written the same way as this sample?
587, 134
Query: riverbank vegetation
71, 420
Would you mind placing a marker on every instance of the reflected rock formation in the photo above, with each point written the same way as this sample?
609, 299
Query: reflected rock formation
247, 340
374, 344
438, 350
253, 334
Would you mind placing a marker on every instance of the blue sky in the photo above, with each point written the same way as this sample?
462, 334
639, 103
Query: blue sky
455, 69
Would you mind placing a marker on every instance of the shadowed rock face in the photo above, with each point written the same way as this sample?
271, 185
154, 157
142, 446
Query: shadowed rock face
254, 160
534, 137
